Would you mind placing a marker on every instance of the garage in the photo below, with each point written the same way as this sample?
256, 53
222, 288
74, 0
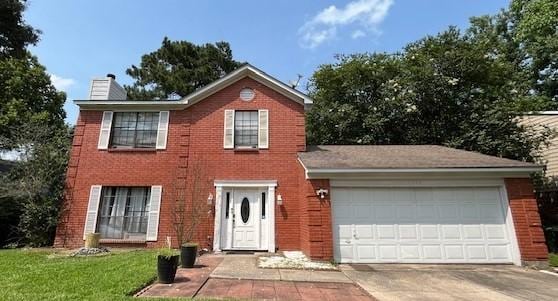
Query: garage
420, 225
421, 204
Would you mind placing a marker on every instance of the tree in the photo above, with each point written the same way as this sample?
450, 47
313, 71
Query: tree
31, 123
34, 186
27, 95
444, 89
190, 205
15, 34
179, 67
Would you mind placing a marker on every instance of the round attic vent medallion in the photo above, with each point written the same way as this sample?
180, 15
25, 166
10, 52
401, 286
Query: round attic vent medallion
247, 94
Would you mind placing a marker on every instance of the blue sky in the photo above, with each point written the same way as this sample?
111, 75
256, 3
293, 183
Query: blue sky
86, 39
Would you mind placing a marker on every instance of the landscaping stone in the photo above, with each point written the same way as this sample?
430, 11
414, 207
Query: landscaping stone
90, 251
293, 260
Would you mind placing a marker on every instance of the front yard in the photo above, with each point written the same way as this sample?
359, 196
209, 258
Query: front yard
553, 259
32, 275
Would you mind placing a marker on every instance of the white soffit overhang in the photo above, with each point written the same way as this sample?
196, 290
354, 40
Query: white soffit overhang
364, 173
227, 80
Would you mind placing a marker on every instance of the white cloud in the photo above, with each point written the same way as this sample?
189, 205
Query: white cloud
358, 34
367, 14
61, 83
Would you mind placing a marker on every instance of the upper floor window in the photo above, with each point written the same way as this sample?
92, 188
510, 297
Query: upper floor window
246, 129
123, 212
134, 130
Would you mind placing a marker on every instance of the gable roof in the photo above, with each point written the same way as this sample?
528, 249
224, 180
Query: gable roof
403, 158
243, 71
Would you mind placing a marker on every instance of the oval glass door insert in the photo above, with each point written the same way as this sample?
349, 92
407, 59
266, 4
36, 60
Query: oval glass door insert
245, 210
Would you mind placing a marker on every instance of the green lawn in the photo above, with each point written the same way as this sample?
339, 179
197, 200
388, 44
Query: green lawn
31, 275
553, 259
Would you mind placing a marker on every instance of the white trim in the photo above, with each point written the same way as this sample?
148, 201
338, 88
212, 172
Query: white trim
220, 186
424, 170
516, 254
541, 113
244, 71
419, 183
245, 183
217, 222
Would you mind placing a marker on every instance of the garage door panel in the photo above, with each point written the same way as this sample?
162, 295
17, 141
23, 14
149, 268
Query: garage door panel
476, 252
410, 252
386, 232
407, 232
432, 252
499, 252
452, 225
387, 252
472, 232
451, 232
454, 252
429, 232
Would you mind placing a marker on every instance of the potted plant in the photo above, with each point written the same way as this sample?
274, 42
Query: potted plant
167, 262
189, 209
188, 253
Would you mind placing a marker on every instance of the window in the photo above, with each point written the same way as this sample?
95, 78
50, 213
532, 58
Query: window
246, 129
123, 212
263, 205
134, 129
228, 205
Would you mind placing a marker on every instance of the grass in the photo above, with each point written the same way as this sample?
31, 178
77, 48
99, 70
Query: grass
553, 259
31, 275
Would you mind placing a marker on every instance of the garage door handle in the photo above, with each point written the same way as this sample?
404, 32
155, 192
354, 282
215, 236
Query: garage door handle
348, 241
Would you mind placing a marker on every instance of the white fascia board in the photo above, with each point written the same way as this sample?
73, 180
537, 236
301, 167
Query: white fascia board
126, 105
245, 183
358, 173
542, 113
255, 74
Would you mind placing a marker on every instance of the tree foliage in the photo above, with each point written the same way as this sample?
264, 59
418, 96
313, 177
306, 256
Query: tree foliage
15, 34
27, 96
179, 67
32, 125
462, 90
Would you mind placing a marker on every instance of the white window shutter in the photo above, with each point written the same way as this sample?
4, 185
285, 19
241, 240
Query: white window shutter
162, 131
229, 129
104, 134
263, 129
153, 216
92, 210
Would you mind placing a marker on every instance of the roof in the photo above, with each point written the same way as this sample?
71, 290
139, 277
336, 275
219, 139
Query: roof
401, 157
243, 71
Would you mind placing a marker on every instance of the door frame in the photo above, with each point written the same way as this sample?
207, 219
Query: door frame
221, 186
441, 183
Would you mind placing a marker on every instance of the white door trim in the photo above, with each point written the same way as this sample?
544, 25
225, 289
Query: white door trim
220, 186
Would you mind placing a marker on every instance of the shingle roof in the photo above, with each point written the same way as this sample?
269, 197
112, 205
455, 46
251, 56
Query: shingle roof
400, 157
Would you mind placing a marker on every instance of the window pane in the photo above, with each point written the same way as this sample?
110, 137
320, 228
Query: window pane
135, 129
246, 129
123, 212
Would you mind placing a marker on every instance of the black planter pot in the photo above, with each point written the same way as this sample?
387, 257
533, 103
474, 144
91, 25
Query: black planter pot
166, 268
188, 255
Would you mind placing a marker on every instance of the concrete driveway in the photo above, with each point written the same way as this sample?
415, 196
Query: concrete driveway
453, 282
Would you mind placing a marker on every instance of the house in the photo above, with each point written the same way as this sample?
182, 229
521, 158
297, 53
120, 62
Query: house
264, 189
543, 121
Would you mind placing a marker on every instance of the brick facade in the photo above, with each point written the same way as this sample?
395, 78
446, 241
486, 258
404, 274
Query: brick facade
527, 223
195, 138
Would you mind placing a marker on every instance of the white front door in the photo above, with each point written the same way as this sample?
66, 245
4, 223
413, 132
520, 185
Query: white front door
420, 225
246, 219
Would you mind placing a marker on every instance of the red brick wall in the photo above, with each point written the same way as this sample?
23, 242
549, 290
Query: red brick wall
195, 138
526, 220
316, 238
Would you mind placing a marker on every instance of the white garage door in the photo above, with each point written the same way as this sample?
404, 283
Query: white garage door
420, 225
